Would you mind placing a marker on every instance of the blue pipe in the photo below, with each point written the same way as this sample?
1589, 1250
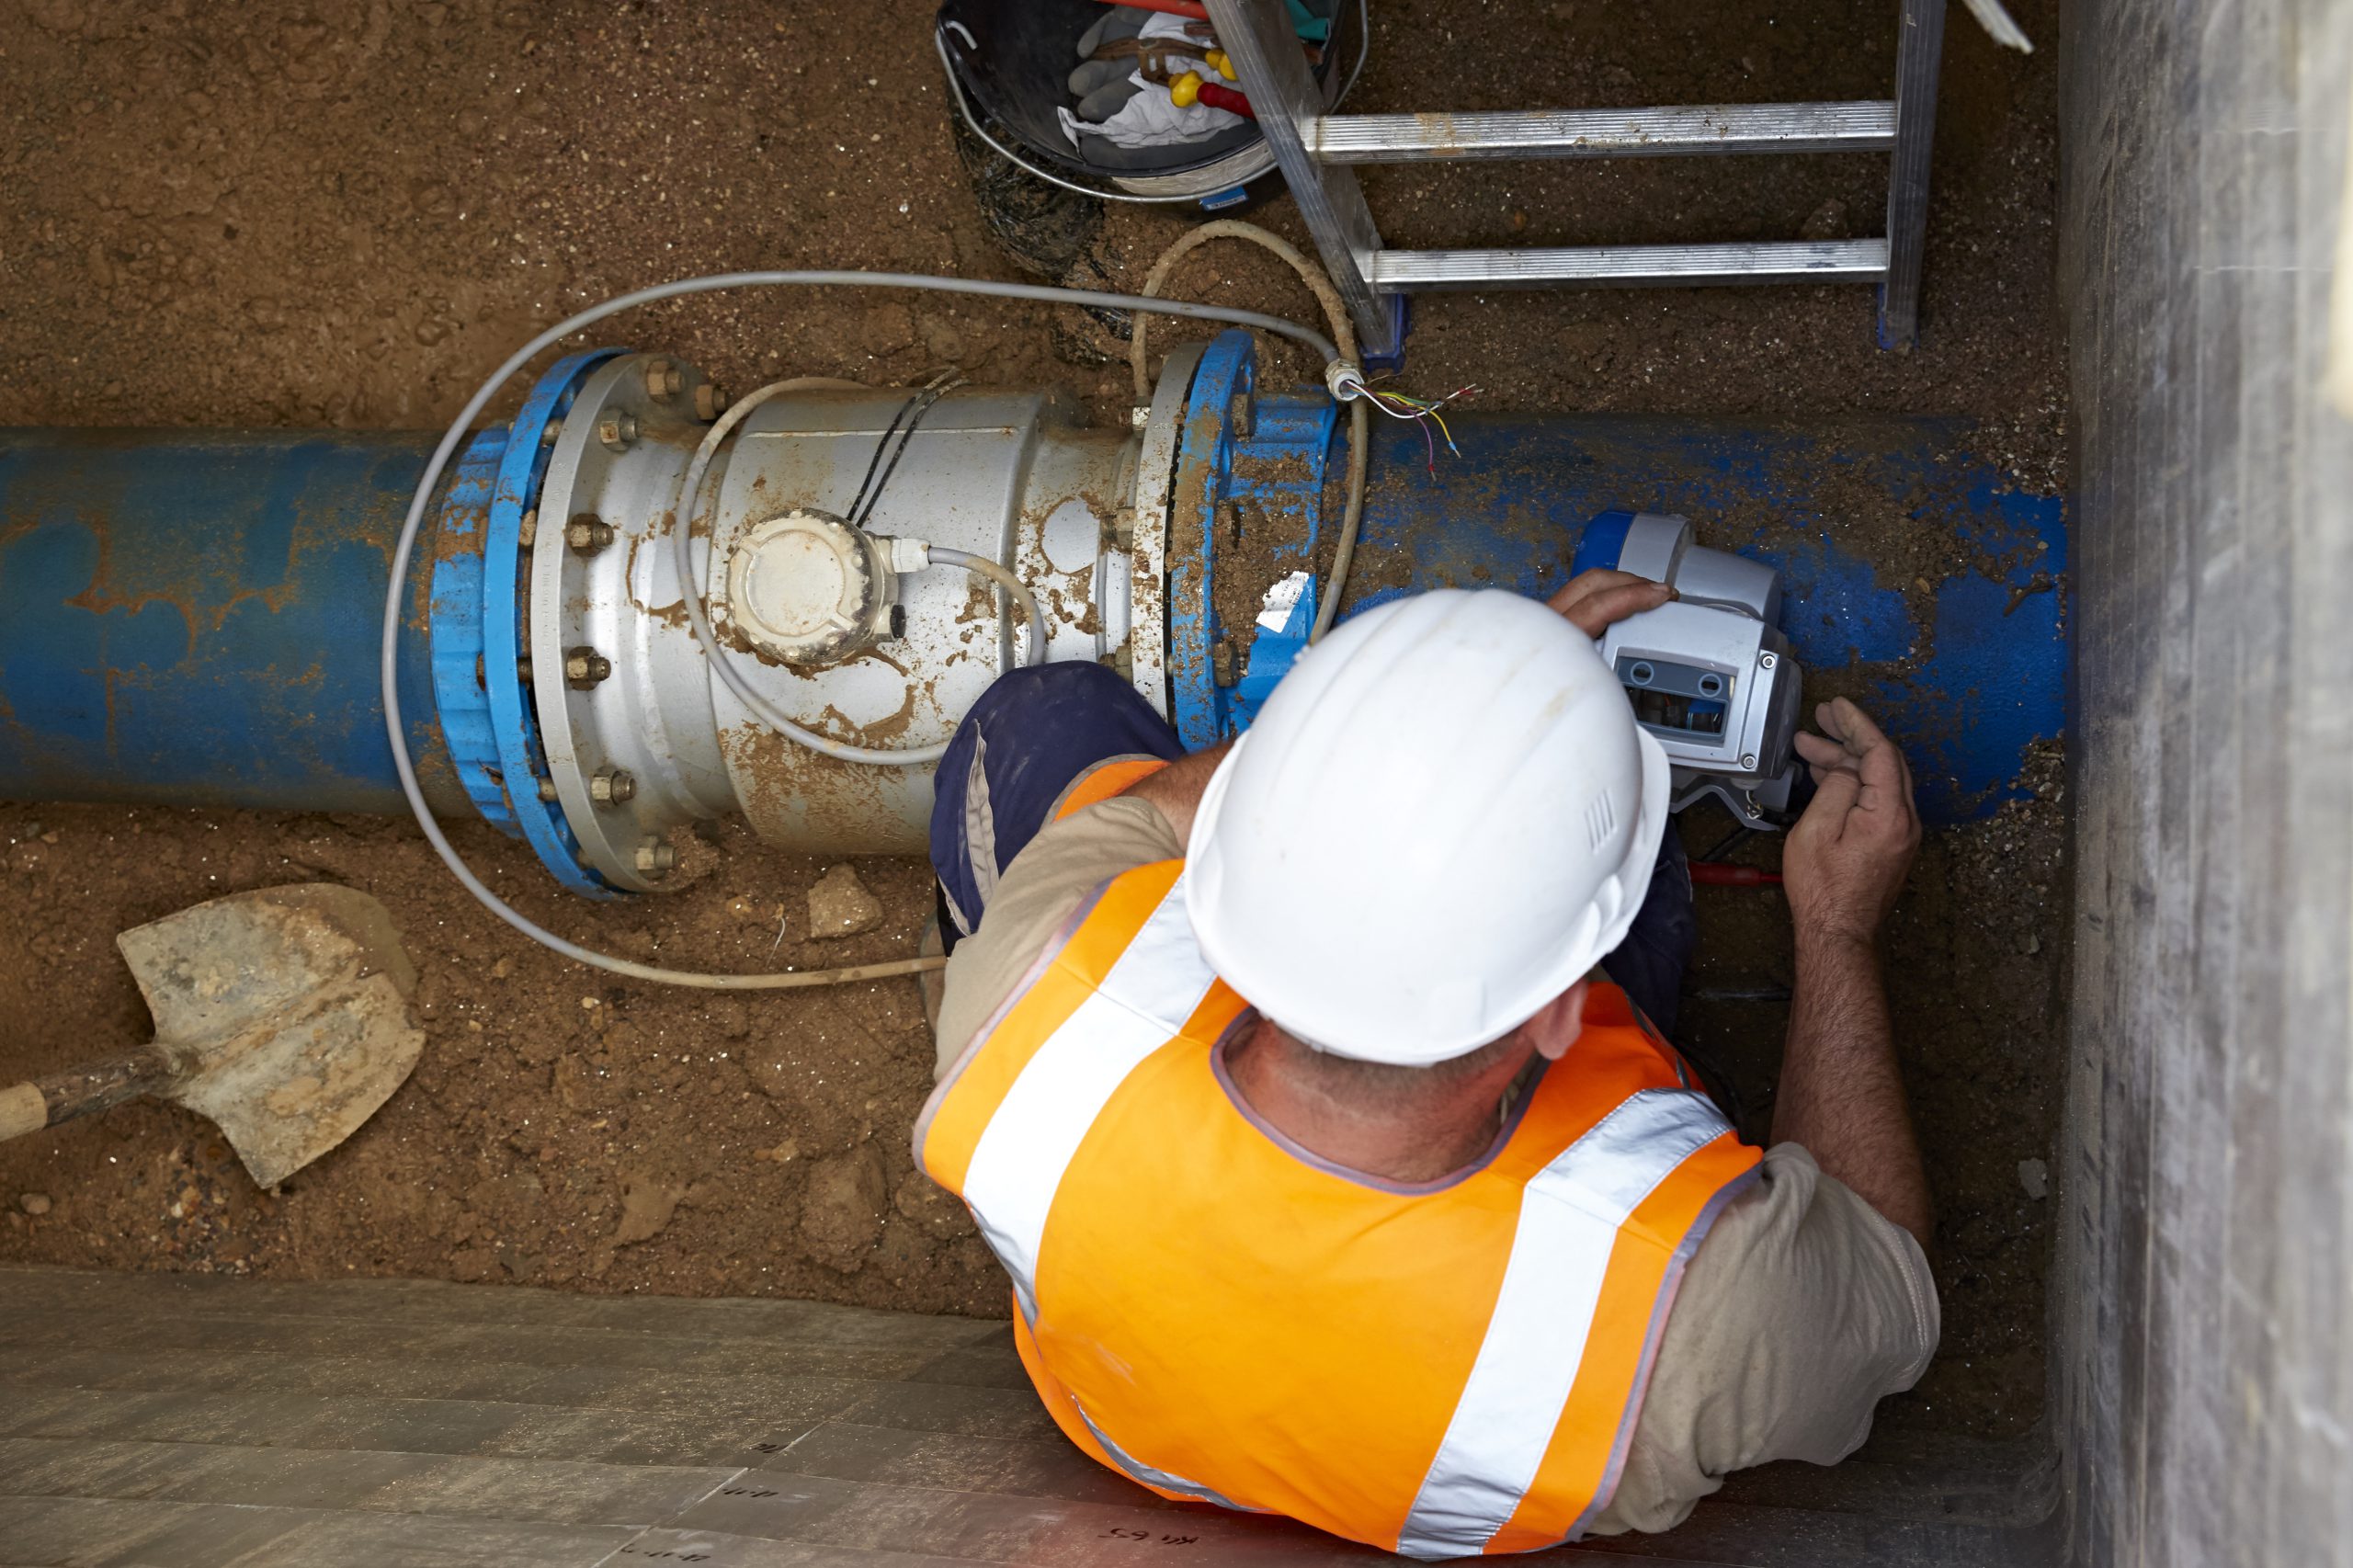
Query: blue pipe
1962, 656
189, 618
186, 618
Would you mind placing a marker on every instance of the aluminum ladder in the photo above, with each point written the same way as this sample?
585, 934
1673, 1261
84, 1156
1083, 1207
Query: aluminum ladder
1317, 152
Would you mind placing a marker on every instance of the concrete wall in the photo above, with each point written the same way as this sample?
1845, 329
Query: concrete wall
2205, 1319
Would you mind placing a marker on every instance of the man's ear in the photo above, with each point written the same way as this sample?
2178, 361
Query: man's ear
1556, 1029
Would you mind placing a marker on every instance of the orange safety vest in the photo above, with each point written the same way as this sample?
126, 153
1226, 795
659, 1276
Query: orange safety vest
1441, 1369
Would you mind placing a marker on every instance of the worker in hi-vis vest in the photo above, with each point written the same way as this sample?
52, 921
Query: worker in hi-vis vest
1316, 1090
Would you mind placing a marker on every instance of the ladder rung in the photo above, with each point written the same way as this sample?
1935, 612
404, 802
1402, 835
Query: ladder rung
1794, 261
1864, 126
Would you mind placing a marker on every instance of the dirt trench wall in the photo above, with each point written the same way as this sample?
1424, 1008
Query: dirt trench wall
2203, 1352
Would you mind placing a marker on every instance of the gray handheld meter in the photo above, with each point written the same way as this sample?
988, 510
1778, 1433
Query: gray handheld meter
1709, 674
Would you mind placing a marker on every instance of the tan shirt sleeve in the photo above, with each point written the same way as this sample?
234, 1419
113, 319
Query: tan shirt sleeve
1054, 873
1800, 1311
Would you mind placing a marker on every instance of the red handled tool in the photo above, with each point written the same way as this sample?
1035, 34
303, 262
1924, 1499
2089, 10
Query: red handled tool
1226, 98
1173, 7
1724, 874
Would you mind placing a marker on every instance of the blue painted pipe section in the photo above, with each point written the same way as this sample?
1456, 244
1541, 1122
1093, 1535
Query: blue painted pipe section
191, 618
1914, 580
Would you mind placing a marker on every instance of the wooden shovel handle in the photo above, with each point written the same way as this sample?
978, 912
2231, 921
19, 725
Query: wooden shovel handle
44, 1102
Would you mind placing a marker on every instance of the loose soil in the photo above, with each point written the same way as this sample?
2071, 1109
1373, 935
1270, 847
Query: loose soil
343, 213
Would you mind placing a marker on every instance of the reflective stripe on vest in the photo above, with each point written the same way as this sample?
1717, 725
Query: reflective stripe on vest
1535, 1338
1444, 1369
1018, 1163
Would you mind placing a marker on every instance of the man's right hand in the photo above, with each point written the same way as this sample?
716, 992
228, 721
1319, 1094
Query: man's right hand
1847, 858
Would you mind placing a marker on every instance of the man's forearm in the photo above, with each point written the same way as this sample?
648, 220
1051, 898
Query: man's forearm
1840, 1093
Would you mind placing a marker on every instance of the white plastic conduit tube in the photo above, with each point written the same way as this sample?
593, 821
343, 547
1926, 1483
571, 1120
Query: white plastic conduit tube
395, 593
982, 566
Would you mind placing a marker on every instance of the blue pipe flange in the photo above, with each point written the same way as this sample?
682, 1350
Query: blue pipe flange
460, 677
491, 727
622, 693
1249, 478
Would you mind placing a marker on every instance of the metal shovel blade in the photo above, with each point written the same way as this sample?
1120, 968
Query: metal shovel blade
286, 1012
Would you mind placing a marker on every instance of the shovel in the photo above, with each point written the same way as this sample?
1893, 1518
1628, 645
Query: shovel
281, 1015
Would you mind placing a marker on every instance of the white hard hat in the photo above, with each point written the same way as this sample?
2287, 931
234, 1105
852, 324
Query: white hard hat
1442, 818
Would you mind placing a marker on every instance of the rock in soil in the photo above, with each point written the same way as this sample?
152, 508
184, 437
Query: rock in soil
839, 905
842, 1214
647, 1206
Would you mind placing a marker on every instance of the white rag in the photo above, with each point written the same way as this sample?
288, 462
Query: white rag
1152, 118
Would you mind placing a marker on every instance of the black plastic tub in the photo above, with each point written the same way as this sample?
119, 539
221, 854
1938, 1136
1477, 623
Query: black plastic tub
1008, 63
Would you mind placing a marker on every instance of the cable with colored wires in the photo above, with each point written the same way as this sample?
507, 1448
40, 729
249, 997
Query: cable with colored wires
1419, 410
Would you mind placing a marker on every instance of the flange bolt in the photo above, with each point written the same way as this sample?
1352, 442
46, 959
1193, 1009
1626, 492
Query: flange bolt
548, 790
663, 379
611, 787
587, 533
583, 667
655, 857
617, 430
709, 401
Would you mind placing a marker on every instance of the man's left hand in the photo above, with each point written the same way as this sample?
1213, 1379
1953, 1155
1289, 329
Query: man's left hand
1594, 601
